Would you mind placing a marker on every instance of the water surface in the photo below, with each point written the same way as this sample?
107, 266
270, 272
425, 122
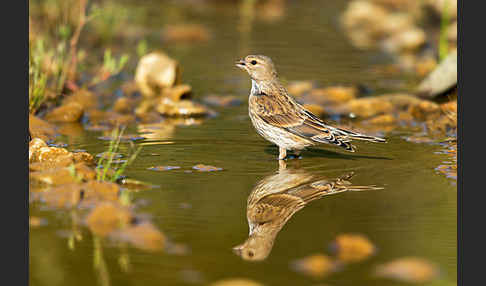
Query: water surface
414, 215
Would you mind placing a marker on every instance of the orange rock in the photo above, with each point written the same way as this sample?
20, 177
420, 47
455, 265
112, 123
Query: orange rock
124, 105
101, 191
317, 265
41, 129
34, 146
425, 110
334, 94
408, 269
353, 248
85, 98
369, 106
144, 236
298, 88
178, 92
384, 119
107, 217
64, 196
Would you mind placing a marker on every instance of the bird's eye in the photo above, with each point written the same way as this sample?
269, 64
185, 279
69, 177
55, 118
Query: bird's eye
253, 62
250, 253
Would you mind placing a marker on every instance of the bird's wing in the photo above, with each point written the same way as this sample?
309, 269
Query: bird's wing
280, 110
273, 207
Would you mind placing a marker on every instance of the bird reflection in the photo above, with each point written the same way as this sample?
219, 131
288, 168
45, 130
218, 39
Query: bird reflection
276, 198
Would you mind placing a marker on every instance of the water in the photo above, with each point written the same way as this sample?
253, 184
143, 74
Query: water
414, 215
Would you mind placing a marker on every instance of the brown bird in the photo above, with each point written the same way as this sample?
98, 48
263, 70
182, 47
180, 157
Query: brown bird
276, 198
280, 119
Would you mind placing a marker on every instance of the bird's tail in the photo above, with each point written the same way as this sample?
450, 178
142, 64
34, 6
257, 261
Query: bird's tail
359, 136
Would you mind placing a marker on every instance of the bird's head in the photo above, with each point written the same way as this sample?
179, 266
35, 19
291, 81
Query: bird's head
255, 248
258, 67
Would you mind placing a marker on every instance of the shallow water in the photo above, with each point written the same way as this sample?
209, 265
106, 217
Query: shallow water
414, 215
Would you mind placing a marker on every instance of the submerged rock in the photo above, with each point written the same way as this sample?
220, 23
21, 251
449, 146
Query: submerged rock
143, 235
206, 168
317, 265
108, 217
184, 107
408, 269
39, 128
352, 248
154, 72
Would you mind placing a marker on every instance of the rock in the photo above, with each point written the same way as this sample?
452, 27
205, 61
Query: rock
41, 129
51, 154
34, 146
352, 248
83, 157
440, 80
206, 168
368, 106
178, 92
385, 119
407, 41
424, 67
64, 196
63, 175
36, 221
180, 108
317, 266
69, 112
186, 33
425, 110
333, 94
298, 88
83, 97
449, 107
163, 168
108, 217
154, 72
96, 191
144, 236
408, 269
124, 105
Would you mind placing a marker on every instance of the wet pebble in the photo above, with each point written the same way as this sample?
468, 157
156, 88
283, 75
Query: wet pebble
316, 266
206, 168
408, 269
163, 168
352, 248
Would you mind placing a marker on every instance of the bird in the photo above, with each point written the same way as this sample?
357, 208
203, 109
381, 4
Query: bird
276, 198
280, 119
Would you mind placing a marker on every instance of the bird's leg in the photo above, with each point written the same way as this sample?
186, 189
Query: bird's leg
282, 153
282, 165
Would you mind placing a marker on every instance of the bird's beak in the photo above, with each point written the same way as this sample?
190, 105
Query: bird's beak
238, 249
241, 64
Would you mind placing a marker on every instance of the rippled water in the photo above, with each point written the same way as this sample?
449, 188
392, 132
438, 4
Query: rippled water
414, 215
